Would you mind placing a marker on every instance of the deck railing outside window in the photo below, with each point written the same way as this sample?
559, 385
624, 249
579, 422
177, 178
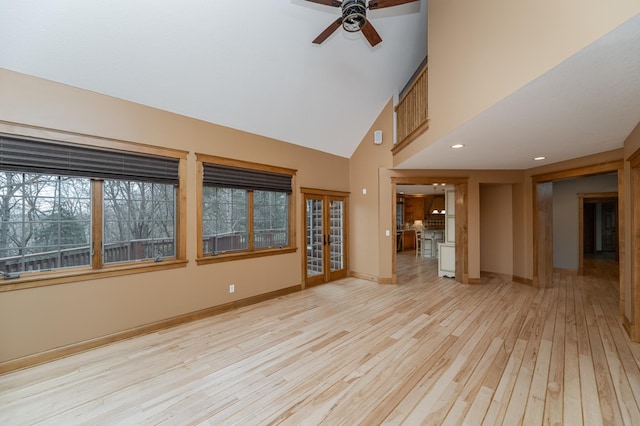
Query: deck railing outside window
131, 250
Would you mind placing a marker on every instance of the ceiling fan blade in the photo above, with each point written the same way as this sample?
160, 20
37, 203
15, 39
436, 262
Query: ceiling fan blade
327, 32
371, 34
334, 3
379, 4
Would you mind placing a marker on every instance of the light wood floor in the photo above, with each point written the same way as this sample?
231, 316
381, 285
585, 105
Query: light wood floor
352, 352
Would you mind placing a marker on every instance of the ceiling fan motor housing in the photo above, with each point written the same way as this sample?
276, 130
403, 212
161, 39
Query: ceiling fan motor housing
354, 15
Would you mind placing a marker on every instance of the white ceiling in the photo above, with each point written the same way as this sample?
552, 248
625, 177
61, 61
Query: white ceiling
585, 105
249, 65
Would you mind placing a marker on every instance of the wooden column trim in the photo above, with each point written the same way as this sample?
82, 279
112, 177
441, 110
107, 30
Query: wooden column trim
462, 233
96, 224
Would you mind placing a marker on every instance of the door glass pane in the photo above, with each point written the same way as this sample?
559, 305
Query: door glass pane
314, 236
336, 233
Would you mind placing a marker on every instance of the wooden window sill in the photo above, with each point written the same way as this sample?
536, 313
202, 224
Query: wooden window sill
41, 279
230, 256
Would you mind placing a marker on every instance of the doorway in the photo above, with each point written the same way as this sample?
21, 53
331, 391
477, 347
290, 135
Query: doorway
325, 220
543, 230
458, 231
598, 226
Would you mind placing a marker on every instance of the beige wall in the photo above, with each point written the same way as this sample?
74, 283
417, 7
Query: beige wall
496, 229
36, 320
480, 52
366, 230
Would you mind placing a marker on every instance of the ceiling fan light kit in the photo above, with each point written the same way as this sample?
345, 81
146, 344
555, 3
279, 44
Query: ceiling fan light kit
354, 17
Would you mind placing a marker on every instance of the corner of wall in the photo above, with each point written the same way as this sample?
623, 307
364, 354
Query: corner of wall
366, 232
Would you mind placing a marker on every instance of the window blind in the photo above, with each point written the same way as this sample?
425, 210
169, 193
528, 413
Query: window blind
241, 178
31, 155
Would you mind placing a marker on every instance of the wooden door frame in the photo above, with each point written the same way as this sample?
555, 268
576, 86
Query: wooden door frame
461, 186
595, 197
632, 324
325, 194
542, 230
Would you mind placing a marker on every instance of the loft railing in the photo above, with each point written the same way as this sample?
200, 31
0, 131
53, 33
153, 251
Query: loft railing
412, 112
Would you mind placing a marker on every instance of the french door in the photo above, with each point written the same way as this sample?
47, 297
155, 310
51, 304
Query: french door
325, 236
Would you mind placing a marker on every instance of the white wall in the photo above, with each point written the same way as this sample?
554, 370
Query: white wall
565, 215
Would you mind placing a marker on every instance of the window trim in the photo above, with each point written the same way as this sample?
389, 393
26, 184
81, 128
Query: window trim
63, 276
250, 252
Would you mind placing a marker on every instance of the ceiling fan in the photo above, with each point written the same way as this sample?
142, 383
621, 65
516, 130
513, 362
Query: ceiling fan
354, 17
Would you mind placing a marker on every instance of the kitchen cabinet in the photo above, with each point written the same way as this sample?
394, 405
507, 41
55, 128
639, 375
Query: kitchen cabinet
408, 239
413, 209
447, 249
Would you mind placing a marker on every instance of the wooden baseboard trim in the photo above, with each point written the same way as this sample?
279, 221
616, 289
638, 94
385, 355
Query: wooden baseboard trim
505, 277
514, 278
522, 280
629, 328
367, 277
72, 349
474, 281
372, 278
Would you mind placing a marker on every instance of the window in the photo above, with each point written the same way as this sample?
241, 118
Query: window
139, 221
270, 219
67, 206
246, 209
225, 219
46, 222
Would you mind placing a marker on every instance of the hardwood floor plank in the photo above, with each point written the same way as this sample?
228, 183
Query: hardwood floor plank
591, 412
532, 334
572, 398
623, 392
534, 411
606, 393
553, 409
427, 351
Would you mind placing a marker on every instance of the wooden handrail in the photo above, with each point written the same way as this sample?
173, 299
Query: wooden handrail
412, 112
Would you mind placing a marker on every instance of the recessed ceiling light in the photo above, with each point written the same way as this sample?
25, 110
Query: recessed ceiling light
539, 158
442, 184
457, 146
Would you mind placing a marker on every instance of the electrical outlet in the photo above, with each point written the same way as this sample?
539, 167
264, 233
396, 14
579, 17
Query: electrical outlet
232, 288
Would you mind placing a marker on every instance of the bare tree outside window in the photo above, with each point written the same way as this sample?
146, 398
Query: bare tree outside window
224, 219
270, 219
45, 222
139, 220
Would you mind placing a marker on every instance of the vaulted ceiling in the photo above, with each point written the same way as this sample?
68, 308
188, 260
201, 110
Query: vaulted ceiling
252, 66
248, 65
